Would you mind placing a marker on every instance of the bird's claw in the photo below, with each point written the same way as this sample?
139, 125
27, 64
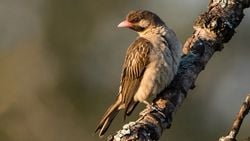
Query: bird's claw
154, 108
150, 109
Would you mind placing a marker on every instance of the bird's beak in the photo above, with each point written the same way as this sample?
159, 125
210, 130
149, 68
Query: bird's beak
125, 23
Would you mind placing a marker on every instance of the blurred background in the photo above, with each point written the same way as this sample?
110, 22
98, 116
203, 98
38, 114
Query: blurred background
60, 65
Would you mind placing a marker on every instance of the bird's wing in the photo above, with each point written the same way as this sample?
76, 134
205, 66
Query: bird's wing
136, 60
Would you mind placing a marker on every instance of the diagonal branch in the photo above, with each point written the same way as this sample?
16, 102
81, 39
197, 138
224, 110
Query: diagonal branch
211, 30
244, 109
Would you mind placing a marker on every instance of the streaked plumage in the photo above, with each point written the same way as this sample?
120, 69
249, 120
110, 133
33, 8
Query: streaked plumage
150, 64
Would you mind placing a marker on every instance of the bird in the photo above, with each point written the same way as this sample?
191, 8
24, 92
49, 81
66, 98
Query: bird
150, 64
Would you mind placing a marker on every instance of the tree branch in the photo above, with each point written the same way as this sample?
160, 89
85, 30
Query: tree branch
211, 30
245, 107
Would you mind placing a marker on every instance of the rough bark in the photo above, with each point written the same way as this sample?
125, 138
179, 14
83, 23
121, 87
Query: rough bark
211, 29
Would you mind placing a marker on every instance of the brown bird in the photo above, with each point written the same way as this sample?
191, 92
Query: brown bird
150, 64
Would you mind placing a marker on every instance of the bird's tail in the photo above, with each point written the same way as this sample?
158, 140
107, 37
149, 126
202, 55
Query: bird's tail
108, 118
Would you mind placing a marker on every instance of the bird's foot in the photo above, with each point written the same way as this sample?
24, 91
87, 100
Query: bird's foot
154, 108
150, 108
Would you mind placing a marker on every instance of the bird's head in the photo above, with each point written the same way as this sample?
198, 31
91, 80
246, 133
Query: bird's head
141, 20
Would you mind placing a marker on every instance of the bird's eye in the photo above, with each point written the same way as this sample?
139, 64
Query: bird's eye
135, 20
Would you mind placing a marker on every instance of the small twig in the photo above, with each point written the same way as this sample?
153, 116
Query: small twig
238, 121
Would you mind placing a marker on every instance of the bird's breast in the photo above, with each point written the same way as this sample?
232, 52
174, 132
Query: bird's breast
157, 75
